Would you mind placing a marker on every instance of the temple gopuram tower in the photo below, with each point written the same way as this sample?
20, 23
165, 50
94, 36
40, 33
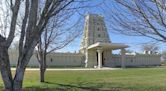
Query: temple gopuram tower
94, 31
95, 44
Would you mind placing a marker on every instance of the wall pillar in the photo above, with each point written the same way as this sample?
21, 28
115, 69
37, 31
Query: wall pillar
86, 59
123, 56
99, 53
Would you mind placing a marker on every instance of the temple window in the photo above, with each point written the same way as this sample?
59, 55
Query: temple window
98, 29
99, 35
51, 60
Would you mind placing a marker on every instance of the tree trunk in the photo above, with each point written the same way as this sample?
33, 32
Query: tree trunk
6, 80
6, 76
41, 57
42, 73
43, 67
22, 63
5, 65
18, 79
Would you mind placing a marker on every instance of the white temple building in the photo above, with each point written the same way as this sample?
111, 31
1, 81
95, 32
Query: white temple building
96, 45
96, 50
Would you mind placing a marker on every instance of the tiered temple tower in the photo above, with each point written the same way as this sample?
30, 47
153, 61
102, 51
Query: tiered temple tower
96, 45
94, 31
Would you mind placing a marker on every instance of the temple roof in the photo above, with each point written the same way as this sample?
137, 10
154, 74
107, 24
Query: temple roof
112, 46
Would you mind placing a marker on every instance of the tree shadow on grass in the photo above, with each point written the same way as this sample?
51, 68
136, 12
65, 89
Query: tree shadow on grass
81, 86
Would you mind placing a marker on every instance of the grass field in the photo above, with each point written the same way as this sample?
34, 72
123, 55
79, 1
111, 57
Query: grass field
131, 79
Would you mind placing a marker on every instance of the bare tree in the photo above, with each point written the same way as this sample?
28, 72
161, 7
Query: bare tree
129, 51
139, 18
150, 47
31, 29
55, 37
36, 14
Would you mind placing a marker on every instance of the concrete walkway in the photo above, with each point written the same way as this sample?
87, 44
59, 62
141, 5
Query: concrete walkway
69, 69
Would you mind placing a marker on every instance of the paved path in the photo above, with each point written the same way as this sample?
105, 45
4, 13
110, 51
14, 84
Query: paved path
70, 69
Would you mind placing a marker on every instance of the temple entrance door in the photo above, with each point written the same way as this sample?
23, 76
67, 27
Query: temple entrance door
97, 57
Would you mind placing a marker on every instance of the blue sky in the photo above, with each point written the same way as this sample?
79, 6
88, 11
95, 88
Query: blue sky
133, 41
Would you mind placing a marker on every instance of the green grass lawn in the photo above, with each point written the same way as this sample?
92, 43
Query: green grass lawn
131, 79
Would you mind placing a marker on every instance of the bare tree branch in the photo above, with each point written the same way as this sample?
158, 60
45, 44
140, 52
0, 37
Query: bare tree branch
139, 18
